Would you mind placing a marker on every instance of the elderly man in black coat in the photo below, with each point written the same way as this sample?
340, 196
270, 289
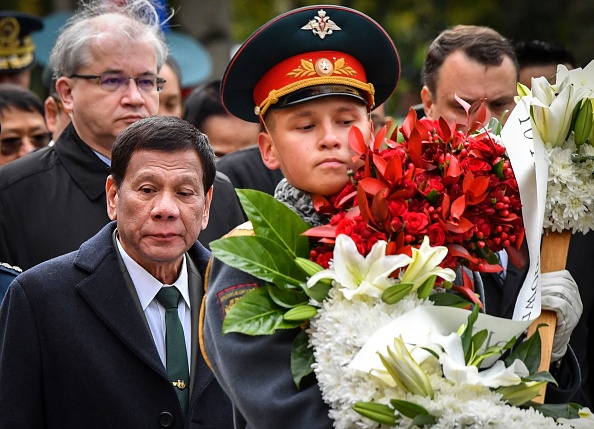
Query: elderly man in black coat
105, 62
85, 340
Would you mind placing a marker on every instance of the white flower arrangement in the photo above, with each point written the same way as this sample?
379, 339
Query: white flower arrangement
386, 350
562, 117
433, 376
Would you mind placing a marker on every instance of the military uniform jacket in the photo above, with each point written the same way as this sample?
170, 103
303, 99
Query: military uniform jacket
76, 352
51, 201
255, 371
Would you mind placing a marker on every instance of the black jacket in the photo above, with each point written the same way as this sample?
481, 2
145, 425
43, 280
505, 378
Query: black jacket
246, 170
76, 352
53, 199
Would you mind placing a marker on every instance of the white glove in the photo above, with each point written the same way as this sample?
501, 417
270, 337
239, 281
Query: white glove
560, 293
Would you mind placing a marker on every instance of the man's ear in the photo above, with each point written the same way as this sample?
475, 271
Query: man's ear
51, 113
428, 101
64, 89
112, 198
268, 151
206, 212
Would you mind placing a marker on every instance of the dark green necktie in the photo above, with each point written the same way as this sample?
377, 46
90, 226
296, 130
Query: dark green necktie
177, 358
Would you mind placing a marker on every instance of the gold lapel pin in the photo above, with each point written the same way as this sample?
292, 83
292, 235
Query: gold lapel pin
180, 384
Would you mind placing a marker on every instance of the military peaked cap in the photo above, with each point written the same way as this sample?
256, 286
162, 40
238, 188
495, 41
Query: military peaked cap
16, 47
311, 52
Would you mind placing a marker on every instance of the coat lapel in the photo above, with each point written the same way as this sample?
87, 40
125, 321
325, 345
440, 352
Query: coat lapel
201, 375
514, 278
107, 294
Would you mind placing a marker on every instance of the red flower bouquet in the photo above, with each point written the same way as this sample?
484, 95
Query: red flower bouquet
450, 183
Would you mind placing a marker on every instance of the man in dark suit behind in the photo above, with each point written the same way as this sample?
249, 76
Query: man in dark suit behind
105, 61
477, 63
84, 338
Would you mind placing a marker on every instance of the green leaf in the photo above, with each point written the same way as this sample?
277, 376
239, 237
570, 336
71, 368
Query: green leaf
320, 290
287, 298
256, 314
466, 336
395, 293
300, 313
449, 299
556, 411
498, 170
541, 376
426, 288
377, 412
479, 338
408, 409
310, 267
259, 257
495, 125
274, 220
528, 352
301, 358
432, 197
422, 421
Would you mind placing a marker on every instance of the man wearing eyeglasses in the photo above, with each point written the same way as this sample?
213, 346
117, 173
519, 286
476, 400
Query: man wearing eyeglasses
106, 78
22, 124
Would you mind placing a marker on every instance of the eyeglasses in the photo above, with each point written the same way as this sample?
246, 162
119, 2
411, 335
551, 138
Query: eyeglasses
11, 145
116, 81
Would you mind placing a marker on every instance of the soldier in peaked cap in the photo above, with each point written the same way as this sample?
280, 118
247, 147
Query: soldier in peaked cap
307, 76
17, 51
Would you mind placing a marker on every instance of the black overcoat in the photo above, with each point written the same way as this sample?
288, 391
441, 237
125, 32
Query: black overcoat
75, 351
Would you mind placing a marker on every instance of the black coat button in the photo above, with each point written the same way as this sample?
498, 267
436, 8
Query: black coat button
166, 419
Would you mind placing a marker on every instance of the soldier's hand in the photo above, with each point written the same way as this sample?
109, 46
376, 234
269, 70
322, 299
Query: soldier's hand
560, 294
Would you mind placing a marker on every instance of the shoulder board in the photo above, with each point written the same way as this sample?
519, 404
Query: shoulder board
10, 267
245, 228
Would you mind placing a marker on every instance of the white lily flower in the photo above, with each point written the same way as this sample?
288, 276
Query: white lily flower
404, 371
358, 275
425, 263
552, 114
578, 76
456, 370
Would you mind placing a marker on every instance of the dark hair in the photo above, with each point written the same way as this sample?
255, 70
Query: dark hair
170, 61
204, 102
541, 52
17, 97
163, 134
481, 44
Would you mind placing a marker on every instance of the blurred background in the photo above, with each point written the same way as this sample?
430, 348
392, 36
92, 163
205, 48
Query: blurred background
203, 34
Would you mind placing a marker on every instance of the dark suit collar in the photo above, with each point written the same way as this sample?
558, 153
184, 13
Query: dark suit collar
82, 164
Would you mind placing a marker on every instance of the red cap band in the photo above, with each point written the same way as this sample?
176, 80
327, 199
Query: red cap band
309, 69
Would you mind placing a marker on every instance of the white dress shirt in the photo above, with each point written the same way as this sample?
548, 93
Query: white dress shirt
147, 288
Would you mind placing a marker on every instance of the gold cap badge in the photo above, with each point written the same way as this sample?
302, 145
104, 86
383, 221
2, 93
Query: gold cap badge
321, 25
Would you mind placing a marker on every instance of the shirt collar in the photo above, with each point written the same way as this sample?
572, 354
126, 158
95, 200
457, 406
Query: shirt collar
146, 285
103, 158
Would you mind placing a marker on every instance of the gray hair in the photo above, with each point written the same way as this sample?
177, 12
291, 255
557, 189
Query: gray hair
99, 20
